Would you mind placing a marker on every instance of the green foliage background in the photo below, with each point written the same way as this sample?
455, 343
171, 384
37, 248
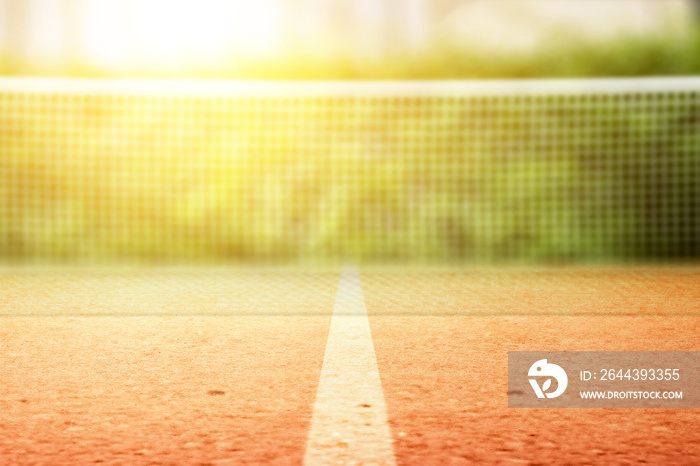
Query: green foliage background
548, 178
105, 179
660, 53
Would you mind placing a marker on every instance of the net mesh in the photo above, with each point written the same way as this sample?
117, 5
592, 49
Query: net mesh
472, 172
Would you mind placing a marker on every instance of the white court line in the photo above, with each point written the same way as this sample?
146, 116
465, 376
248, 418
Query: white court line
349, 423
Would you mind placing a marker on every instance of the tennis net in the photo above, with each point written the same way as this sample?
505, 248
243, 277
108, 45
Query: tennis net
553, 170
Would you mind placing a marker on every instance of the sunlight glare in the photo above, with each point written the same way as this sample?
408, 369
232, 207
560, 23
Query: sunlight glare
181, 32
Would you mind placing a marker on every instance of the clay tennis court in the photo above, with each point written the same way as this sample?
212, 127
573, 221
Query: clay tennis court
224, 365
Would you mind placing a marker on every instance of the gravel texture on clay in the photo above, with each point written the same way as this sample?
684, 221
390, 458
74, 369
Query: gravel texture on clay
172, 389
444, 371
221, 366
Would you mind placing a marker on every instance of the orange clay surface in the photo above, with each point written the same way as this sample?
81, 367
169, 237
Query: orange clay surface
220, 366
160, 389
444, 372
